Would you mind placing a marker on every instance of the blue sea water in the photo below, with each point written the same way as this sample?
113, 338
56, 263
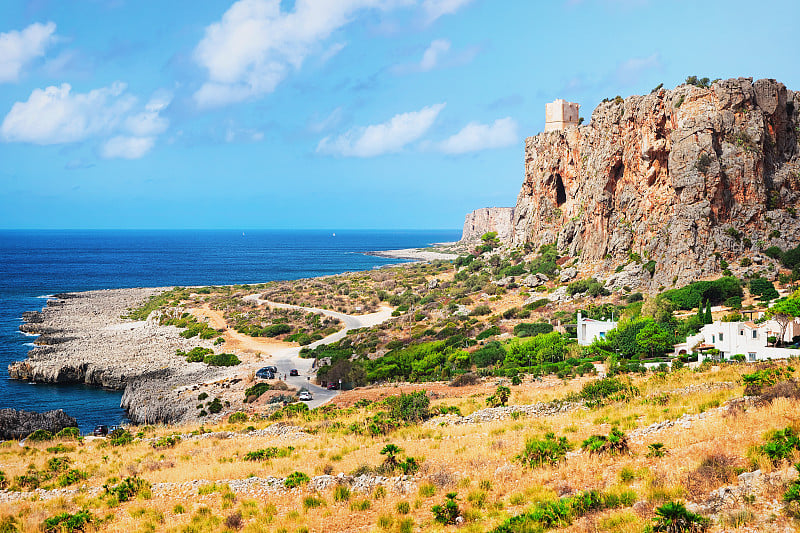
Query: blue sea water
34, 264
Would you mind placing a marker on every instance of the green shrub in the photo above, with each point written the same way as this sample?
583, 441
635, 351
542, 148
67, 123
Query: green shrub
221, 359
66, 522
490, 354
215, 406
167, 441
296, 479
526, 329
275, 330
403, 508
3, 480
781, 444
500, 397
40, 435
237, 417
196, 354
596, 391
673, 517
656, 449
448, 512
792, 496
481, 310
763, 288
489, 332
590, 286
547, 451
717, 291
251, 394
120, 437
126, 489
341, 493
268, 453
69, 433
70, 477
413, 407
615, 443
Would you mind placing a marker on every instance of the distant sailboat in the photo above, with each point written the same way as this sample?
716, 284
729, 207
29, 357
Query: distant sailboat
334, 235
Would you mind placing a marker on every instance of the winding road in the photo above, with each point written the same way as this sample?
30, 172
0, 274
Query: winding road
286, 359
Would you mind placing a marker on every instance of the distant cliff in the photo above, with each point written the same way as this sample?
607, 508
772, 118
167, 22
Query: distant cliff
480, 221
683, 177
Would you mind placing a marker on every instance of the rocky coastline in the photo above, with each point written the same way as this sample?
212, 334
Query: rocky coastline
83, 339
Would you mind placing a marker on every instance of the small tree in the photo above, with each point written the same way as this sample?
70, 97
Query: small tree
500, 397
708, 318
391, 451
784, 312
700, 315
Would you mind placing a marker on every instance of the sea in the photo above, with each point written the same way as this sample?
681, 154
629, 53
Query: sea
41, 263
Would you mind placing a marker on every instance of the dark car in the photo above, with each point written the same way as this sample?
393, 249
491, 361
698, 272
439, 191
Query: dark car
294, 372
273, 369
265, 373
100, 431
333, 386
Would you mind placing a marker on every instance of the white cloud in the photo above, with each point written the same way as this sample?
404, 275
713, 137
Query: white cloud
56, 115
19, 48
388, 137
437, 8
434, 53
316, 124
124, 147
255, 45
475, 137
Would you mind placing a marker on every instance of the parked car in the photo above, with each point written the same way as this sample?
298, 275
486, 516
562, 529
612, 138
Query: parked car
265, 373
333, 386
305, 396
273, 369
294, 372
100, 431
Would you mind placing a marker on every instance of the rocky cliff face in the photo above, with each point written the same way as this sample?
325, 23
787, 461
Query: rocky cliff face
19, 424
682, 177
480, 221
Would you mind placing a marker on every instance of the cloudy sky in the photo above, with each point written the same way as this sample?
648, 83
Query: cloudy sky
327, 113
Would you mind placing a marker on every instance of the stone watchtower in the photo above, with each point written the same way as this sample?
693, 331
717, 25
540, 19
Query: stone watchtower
560, 115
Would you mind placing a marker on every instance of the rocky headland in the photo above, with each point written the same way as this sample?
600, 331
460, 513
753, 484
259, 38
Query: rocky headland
84, 340
16, 424
684, 177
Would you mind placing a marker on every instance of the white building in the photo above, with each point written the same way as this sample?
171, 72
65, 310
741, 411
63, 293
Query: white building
590, 330
745, 338
560, 115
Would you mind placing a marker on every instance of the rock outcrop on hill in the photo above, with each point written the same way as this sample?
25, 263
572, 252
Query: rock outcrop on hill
480, 221
19, 424
682, 177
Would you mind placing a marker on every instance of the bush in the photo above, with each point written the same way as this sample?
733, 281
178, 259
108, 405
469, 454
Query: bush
781, 444
792, 496
69, 433
763, 288
532, 329
66, 522
221, 359
481, 310
341, 493
196, 354
673, 517
70, 477
296, 479
615, 443
596, 391
717, 291
656, 449
448, 512
167, 442
773, 252
215, 406
499, 398
40, 435
490, 354
253, 393
120, 437
590, 286
485, 334
413, 407
465, 379
126, 489
237, 417
547, 451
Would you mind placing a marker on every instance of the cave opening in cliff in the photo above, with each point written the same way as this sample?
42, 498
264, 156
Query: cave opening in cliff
561, 193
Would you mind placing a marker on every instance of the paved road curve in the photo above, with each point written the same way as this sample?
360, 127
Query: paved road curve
289, 358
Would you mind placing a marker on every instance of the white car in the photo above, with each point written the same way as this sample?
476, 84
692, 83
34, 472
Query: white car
305, 396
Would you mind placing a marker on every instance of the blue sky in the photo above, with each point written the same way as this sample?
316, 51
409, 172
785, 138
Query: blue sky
327, 113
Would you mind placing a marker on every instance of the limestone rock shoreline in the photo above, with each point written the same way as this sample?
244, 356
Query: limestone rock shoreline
84, 340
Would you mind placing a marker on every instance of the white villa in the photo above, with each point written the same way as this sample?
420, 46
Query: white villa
590, 330
745, 338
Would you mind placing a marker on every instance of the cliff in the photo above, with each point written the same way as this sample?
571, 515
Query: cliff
682, 177
480, 221
19, 424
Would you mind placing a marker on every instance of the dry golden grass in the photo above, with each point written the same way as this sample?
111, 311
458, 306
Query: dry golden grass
477, 461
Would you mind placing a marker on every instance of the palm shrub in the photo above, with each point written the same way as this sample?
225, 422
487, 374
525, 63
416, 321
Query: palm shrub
656, 449
781, 444
547, 451
296, 479
615, 443
449, 511
673, 517
499, 398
